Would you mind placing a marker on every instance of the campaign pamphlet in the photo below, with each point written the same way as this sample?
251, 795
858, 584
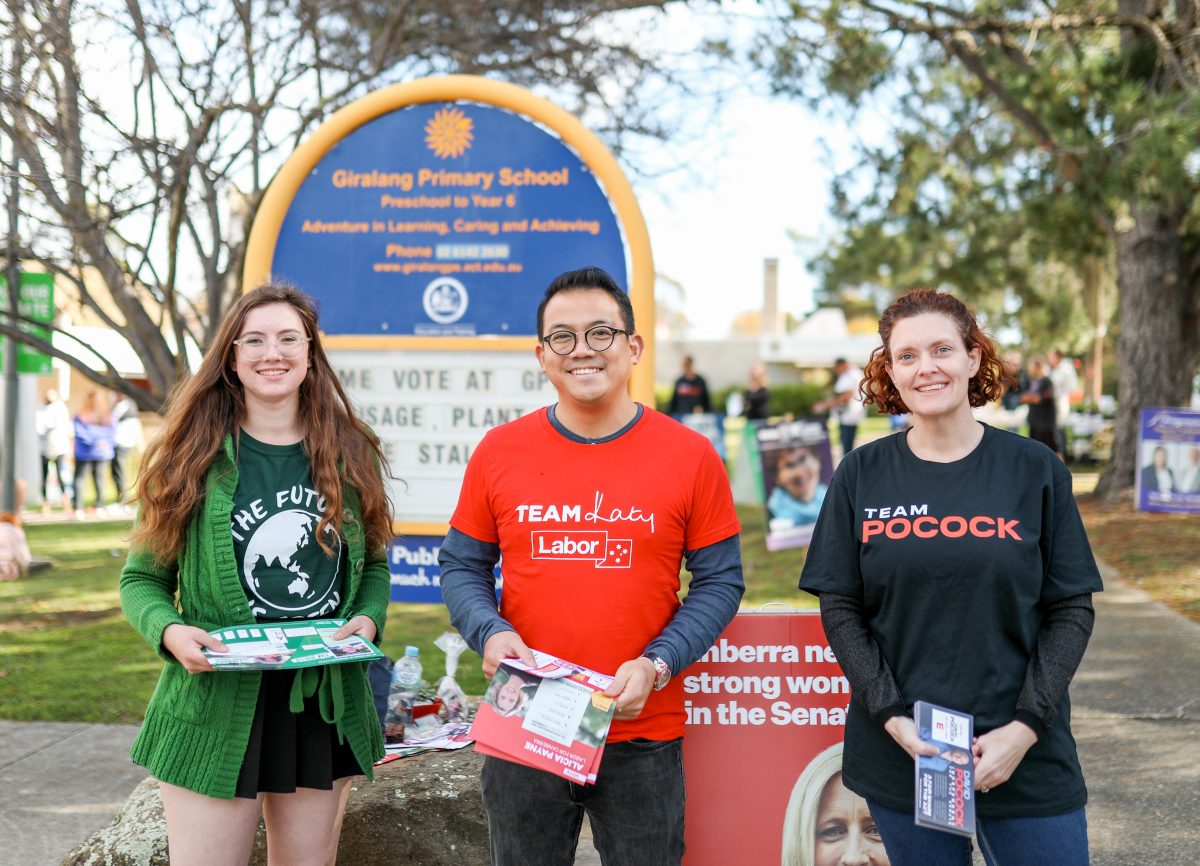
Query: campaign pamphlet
287, 645
551, 716
945, 790
428, 734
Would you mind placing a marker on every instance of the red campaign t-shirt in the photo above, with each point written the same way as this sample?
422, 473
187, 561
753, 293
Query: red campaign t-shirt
592, 536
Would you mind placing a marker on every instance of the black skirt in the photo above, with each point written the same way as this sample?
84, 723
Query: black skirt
288, 750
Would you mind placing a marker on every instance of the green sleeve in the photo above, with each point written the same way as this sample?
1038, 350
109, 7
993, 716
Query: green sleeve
147, 591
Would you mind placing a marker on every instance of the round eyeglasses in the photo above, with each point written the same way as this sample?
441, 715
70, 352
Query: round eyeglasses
598, 338
289, 345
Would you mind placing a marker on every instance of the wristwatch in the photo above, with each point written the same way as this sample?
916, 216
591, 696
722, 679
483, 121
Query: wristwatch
662, 671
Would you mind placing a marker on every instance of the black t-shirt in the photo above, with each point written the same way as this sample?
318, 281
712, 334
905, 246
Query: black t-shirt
276, 509
757, 401
953, 563
1041, 413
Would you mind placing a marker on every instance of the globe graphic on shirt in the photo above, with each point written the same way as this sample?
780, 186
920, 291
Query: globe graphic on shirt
285, 568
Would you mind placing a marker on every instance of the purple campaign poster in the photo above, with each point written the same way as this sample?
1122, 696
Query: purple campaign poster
1168, 475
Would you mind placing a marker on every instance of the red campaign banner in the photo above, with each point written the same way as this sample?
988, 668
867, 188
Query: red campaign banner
766, 706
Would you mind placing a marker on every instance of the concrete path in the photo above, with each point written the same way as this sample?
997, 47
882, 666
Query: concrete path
1136, 716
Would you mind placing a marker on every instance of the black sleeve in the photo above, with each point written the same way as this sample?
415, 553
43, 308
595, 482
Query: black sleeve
1062, 639
861, 660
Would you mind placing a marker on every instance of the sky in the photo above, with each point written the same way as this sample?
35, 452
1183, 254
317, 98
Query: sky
712, 226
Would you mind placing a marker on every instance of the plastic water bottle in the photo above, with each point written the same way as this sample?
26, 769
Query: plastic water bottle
402, 695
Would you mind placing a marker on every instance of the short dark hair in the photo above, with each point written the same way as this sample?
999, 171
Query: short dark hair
587, 279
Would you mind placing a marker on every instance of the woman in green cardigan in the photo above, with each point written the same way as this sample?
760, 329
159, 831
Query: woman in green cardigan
262, 500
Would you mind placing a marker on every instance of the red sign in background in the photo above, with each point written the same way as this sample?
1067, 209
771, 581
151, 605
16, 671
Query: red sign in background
762, 703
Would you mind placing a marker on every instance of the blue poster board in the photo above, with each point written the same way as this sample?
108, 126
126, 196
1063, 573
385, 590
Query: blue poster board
444, 219
1168, 473
416, 575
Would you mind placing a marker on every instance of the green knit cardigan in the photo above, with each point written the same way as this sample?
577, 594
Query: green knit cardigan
197, 725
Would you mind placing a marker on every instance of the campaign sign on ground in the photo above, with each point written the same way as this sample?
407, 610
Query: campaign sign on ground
444, 218
1169, 448
796, 468
35, 300
708, 424
765, 704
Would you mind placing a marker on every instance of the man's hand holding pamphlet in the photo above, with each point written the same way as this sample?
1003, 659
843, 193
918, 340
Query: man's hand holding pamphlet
289, 644
945, 786
551, 716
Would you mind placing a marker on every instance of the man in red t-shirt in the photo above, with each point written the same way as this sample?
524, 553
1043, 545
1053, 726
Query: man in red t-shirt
592, 504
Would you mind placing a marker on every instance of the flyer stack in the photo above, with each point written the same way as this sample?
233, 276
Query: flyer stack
552, 716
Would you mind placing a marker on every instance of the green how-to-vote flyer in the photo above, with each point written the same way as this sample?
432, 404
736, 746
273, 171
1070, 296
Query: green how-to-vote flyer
283, 645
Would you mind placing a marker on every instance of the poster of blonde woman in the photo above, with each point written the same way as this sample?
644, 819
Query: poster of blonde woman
826, 824
763, 703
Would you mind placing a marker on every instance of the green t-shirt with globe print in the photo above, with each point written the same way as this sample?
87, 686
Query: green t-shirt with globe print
276, 509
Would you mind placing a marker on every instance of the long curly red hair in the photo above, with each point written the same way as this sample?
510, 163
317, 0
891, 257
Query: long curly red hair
211, 403
989, 383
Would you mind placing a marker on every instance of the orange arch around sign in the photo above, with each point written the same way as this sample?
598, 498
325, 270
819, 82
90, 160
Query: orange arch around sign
269, 220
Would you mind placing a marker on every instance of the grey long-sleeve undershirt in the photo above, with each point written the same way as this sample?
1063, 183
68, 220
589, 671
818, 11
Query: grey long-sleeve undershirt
1062, 639
713, 596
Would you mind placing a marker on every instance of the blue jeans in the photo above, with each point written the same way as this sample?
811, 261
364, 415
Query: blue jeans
635, 807
1060, 840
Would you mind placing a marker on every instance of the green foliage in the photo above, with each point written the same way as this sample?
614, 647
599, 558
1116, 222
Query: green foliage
1016, 148
795, 400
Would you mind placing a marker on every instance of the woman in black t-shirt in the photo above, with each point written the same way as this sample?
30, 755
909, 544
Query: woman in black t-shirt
952, 567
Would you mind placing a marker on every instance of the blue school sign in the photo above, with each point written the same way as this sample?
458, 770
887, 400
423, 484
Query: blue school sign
427, 219
444, 219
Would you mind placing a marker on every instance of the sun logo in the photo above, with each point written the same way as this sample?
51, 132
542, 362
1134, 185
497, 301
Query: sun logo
449, 133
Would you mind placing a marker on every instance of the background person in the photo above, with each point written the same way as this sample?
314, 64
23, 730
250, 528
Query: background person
758, 396
127, 437
798, 491
263, 414
1065, 381
94, 447
982, 603
621, 614
845, 406
14, 548
826, 824
690, 393
52, 421
1039, 396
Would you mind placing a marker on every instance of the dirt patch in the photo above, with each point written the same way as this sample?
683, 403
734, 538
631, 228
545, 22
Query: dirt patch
1159, 553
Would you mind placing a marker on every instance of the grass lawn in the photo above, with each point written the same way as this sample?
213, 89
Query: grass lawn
67, 653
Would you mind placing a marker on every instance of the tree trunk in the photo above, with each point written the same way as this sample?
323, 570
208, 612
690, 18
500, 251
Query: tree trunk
1152, 354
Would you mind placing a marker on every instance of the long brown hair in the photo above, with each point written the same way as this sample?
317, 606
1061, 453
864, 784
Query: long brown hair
989, 383
211, 403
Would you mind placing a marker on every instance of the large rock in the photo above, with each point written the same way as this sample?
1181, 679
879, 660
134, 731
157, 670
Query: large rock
425, 810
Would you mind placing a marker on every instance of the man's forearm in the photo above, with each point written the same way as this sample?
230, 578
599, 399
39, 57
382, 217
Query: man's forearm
712, 601
469, 587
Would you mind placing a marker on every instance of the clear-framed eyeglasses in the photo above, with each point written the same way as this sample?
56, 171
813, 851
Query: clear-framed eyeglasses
289, 344
598, 338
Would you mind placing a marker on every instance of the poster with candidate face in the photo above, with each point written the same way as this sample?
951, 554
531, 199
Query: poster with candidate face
1168, 476
766, 709
796, 468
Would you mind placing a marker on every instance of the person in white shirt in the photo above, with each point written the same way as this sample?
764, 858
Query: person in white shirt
1189, 479
52, 421
1065, 382
845, 406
